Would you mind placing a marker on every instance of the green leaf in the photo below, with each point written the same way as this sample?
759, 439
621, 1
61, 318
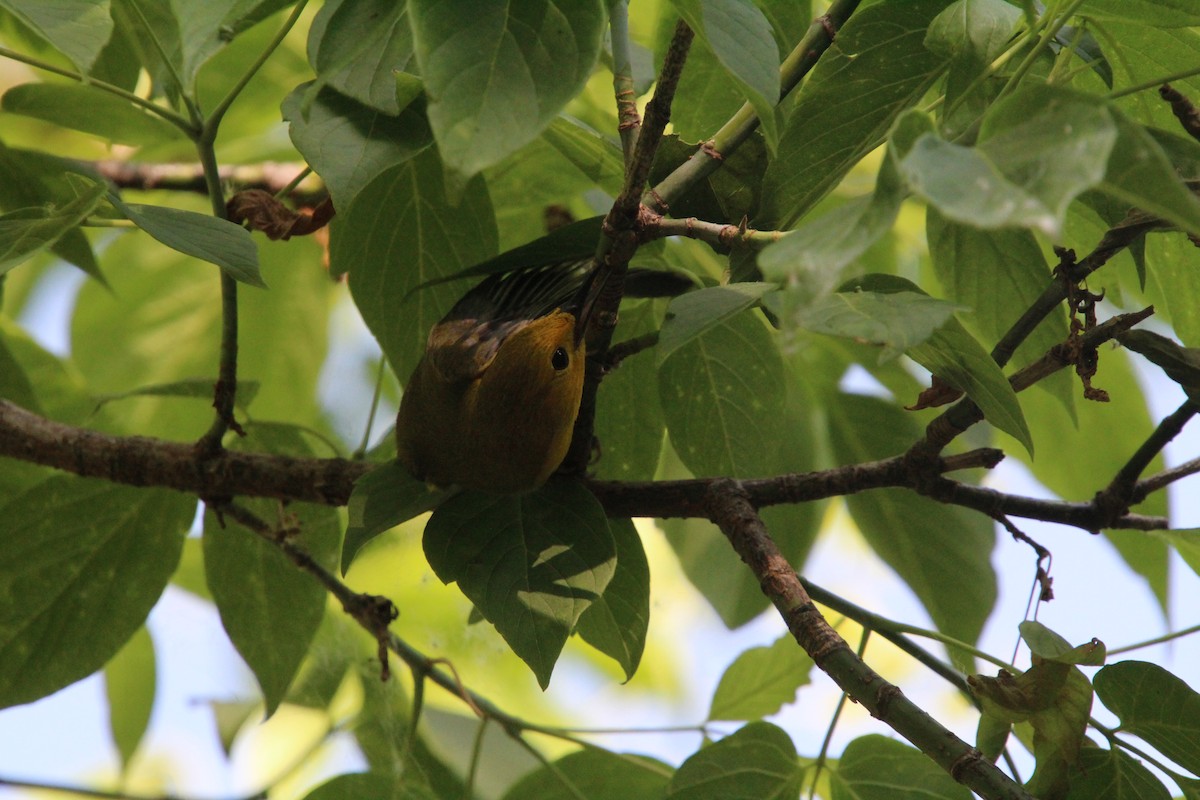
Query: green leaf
399, 233
893, 321
957, 358
761, 681
595, 774
363, 48
270, 608
90, 555
616, 623
875, 767
942, 552
629, 420
722, 395
692, 314
973, 30
1181, 364
1049, 646
349, 144
996, 274
91, 110
876, 68
194, 388
1186, 543
76, 28
129, 684
382, 499
1172, 282
27, 231
758, 761
1160, 13
25, 181
1140, 174
1156, 706
596, 156
1037, 151
741, 39
370, 784
531, 563
1055, 699
203, 236
14, 383
1113, 775
496, 72
810, 259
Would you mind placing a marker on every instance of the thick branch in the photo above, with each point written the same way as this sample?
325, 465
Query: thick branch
268, 176
730, 508
141, 461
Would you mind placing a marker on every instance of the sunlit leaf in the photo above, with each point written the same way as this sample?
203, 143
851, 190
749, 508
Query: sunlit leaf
531, 563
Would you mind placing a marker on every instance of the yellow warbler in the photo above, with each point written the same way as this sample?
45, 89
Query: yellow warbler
492, 403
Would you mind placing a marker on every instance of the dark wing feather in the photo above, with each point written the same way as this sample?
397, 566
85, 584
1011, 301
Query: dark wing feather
464, 343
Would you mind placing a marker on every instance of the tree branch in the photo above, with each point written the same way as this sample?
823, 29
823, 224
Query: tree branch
730, 507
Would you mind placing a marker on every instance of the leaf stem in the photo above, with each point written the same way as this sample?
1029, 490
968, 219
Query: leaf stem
178, 120
209, 129
366, 437
712, 153
1166, 637
197, 123
629, 123
1052, 28
1154, 84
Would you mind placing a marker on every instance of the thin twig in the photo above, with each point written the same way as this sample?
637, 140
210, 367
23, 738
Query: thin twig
1116, 498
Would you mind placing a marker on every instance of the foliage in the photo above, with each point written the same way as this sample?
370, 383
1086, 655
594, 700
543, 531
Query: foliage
956, 198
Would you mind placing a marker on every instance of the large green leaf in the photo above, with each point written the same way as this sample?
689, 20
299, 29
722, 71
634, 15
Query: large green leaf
402, 232
382, 499
531, 563
76, 28
973, 30
722, 395
616, 623
595, 774
496, 73
1113, 775
1038, 149
740, 37
91, 110
270, 608
592, 154
1163, 13
941, 551
26, 181
204, 236
129, 686
761, 680
876, 68
131, 337
891, 321
364, 49
996, 274
1156, 706
692, 314
757, 761
83, 562
27, 231
629, 420
1140, 173
875, 767
1172, 283
349, 144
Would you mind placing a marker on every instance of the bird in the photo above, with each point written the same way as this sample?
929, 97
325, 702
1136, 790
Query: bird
492, 403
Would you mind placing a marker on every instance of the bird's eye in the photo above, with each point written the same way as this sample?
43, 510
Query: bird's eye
559, 360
